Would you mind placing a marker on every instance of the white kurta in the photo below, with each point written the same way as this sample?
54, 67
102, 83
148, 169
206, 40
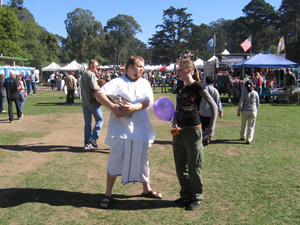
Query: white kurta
138, 126
130, 137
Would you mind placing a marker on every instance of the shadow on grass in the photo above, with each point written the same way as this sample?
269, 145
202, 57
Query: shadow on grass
52, 148
12, 197
55, 104
4, 120
160, 142
227, 141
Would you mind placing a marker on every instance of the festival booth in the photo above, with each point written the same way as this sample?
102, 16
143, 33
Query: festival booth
171, 67
272, 73
52, 67
199, 64
72, 66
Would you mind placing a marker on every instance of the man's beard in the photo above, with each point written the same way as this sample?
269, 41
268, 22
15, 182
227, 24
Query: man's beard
137, 76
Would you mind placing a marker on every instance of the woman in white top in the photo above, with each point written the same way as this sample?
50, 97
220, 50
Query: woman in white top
248, 107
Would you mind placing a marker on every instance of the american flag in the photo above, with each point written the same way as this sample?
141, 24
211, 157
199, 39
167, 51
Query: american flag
247, 44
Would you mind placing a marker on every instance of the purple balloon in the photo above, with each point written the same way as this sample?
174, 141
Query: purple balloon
164, 109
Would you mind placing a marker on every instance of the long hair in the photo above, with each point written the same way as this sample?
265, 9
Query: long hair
131, 61
189, 64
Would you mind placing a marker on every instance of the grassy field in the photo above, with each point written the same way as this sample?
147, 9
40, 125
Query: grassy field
243, 184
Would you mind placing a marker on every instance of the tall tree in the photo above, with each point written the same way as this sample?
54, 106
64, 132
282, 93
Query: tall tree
197, 40
289, 27
40, 45
176, 28
16, 3
84, 35
259, 24
120, 36
11, 33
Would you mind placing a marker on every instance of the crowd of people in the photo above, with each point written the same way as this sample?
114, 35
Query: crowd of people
15, 89
130, 133
264, 82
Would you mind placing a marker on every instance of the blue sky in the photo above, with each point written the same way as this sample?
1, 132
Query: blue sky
51, 14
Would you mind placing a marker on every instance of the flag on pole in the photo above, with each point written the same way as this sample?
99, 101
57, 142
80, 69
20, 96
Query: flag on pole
281, 45
211, 43
247, 44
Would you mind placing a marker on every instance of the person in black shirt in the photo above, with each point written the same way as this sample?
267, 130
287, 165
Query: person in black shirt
187, 145
11, 85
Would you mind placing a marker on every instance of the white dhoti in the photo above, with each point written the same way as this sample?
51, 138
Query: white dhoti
129, 159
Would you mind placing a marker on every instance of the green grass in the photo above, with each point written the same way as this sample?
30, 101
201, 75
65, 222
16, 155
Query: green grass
243, 184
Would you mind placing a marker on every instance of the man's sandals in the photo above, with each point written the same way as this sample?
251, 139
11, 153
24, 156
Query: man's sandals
152, 194
105, 202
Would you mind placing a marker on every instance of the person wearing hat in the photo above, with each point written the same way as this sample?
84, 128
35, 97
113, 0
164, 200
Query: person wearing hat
248, 107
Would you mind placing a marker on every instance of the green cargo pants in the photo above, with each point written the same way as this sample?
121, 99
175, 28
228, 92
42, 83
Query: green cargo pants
189, 158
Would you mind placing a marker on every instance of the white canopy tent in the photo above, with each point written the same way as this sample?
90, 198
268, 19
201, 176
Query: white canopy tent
199, 63
225, 52
213, 58
104, 67
73, 66
171, 67
52, 67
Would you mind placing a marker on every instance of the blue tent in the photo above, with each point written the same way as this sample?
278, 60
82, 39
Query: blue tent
265, 60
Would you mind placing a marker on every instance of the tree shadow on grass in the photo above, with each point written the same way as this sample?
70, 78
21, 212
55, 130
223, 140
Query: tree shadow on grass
12, 197
52, 148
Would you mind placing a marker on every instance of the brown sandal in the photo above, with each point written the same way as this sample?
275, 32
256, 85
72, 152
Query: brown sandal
152, 194
105, 202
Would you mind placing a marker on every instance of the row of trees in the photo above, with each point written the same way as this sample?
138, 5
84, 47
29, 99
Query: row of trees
21, 36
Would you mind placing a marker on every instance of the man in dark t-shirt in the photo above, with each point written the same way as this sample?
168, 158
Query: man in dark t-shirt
11, 85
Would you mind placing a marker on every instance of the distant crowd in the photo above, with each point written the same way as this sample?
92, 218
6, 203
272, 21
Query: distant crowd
15, 89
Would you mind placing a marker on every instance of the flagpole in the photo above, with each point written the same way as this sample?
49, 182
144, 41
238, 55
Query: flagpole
284, 45
215, 42
251, 46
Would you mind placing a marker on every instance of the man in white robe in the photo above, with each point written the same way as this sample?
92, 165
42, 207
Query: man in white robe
130, 132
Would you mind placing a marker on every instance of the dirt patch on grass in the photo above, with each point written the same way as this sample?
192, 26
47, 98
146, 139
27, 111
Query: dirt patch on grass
62, 133
221, 123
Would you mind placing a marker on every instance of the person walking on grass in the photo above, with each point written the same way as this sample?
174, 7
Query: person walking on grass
89, 87
205, 112
2, 93
187, 145
129, 136
248, 107
22, 93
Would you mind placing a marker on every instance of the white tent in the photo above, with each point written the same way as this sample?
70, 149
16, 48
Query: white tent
104, 67
73, 66
199, 63
171, 67
225, 52
52, 67
213, 58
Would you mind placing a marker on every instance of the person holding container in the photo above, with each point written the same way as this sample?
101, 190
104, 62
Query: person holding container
130, 133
